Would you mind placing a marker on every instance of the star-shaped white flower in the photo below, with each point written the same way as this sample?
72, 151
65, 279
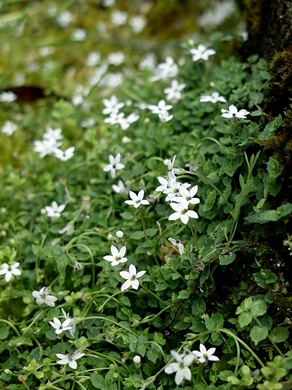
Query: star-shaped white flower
137, 200
54, 211
72, 320
59, 326
8, 128
187, 195
213, 98
43, 297
66, 154
161, 107
204, 355
201, 53
112, 105
117, 256
131, 278
181, 366
174, 91
70, 358
10, 270
114, 165
182, 212
234, 113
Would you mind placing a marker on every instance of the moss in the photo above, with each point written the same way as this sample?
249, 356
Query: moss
254, 14
280, 103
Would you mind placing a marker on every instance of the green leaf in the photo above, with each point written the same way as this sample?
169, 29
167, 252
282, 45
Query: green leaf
270, 128
258, 334
97, 381
259, 308
270, 215
227, 258
4, 332
244, 319
279, 334
151, 232
137, 235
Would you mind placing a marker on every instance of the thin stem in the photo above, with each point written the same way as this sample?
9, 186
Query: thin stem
12, 326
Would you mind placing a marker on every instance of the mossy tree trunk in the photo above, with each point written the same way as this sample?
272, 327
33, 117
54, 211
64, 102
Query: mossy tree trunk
269, 26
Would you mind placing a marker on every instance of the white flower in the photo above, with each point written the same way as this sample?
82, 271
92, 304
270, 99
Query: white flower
161, 110
187, 195
177, 243
161, 106
7, 97
66, 315
68, 229
116, 58
126, 122
8, 128
204, 355
115, 118
181, 367
147, 62
10, 270
165, 184
93, 59
53, 134
201, 53
79, 34
65, 18
46, 147
182, 212
114, 165
64, 155
43, 297
214, 98
60, 327
119, 18
137, 200
137, 23
172, 172
132, 278
234, 113
88, 123
117, 256
70, 358
166, 70
120, 188
54, 210
174, 91
108, 3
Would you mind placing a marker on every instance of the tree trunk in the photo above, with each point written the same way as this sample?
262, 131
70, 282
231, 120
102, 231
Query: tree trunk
269, 26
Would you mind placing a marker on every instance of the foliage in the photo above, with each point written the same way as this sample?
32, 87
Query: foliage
228, 288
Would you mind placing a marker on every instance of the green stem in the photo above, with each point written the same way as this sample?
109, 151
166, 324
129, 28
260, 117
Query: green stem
151, 293
12, 326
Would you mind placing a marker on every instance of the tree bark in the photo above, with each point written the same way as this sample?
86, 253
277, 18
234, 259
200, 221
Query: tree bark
269, 26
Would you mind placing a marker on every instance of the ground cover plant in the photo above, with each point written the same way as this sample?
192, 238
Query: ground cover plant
144, 224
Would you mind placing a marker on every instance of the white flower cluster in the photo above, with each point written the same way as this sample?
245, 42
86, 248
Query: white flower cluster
52, 140
180, 195
112, 108
161, 110
182, 362
117, 257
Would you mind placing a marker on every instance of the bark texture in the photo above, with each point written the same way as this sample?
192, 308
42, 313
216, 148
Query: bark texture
269, 26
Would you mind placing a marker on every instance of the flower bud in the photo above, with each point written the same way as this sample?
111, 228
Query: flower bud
119, 234
137, 359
